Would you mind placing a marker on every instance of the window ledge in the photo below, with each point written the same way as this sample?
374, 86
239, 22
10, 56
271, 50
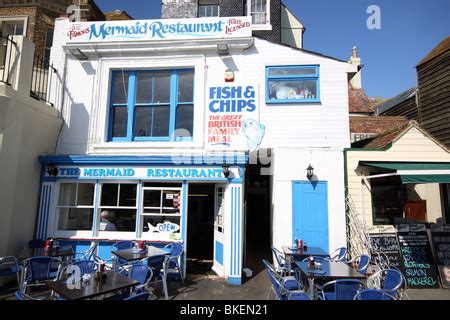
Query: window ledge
261, 27
293, 101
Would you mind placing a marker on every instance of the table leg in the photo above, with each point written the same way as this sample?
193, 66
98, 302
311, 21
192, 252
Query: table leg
312, 293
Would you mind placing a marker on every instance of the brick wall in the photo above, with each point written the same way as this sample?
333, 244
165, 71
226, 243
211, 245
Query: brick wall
171, 9
231, 8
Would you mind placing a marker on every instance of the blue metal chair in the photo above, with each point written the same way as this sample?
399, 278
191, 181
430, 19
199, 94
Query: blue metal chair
373, 294
139, 272
121, 245
10, 267
393, 281
285, 288
339, 254
363, 264
158, 266
173, 261
343, 289
38, 270
89, 254
86, 266
141, 296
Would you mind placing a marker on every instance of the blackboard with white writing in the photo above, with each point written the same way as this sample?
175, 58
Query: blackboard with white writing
387, 244
419, 269
441, 241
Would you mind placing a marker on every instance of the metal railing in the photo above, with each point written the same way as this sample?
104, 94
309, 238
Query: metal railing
41, 79
6, 58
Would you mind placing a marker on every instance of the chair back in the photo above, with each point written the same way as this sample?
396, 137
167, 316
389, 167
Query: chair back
8, 265
176, 249
89, 254
393, 280
340, 254
276, 285
156, 264
372, 294
344, 289
86, 266
140, 272
278, 257
122, 245
363, 264
140, 296
39, 268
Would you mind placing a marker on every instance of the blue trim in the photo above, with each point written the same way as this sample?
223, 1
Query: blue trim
184, 204
145, 160
132, 104
312, 77
236, 281
139, 216
96, 205
236, 259
219, 253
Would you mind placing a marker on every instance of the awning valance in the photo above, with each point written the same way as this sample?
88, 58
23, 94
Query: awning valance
414, 172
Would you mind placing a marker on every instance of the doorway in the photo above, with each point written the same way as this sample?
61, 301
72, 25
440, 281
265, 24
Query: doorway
200, 228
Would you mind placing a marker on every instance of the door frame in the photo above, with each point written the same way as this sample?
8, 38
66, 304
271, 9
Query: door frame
295, 216
219, 236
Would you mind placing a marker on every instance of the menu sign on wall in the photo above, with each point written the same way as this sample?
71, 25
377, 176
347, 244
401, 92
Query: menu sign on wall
441, 240
387, 245
419, 270
232, 118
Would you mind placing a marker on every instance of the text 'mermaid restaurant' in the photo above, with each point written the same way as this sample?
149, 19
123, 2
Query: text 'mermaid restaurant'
194, 130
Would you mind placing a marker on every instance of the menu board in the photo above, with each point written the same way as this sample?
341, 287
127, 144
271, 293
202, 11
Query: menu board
387, 244
419, 270
441, 240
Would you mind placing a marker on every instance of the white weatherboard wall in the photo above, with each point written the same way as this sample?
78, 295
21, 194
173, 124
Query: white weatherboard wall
28, 128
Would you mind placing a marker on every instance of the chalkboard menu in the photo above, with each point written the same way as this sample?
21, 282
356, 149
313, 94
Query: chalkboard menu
387, 244
419, 270
441, 241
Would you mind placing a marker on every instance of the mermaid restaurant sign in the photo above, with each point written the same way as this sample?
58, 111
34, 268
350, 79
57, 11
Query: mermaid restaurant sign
157, 30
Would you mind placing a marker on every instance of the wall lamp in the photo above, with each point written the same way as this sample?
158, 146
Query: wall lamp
51, 169
226, 170
309, 172
80, 55
223, 49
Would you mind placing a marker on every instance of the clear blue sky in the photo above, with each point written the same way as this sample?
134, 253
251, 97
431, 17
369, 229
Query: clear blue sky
409, 30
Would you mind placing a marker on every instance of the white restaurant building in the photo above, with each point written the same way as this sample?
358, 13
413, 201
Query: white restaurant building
194, 130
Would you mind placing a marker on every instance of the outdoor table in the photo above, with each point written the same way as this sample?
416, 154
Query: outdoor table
64, 252
133, 254
94, 288
291, 253
331, 270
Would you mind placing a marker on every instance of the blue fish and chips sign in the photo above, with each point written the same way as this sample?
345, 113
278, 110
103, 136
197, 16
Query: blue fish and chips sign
158, 30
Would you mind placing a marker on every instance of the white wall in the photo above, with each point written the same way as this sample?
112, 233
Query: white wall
28, 128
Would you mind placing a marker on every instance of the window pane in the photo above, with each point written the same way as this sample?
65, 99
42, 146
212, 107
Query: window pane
71, 219
171, 224
121, 88
259, 18
49, 37
295, 89
118, 220
387, 199
151, 121
168, 197
152, 198
162, 87
67, 194
127, 195
120, 121
184, 121
86, 194
109, 194
186, 86
294, 71
144, 89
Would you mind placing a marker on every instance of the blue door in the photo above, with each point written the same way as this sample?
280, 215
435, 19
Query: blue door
310, 213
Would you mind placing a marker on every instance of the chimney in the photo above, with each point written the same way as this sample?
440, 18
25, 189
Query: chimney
356, 61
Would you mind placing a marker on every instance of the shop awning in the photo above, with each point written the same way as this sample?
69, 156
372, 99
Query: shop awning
414, 172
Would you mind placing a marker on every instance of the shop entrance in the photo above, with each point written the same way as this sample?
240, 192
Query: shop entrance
200, 228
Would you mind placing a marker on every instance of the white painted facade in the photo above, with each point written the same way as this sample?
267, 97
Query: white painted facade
298, 134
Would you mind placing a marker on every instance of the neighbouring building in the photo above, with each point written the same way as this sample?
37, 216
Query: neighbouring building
195, 130
271, 19
117, 15
29, 127
35, 19
429, 103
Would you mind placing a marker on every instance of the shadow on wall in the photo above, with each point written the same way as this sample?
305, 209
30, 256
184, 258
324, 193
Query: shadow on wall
75, 131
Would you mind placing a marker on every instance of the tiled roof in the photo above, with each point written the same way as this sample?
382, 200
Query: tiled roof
438, 50
118, 15
389, 104
377, 125
358, 101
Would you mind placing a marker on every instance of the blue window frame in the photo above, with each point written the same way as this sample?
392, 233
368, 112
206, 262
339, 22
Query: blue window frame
292, 84
151, 105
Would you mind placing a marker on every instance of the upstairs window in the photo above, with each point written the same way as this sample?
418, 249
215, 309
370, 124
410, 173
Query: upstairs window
152, 105
259, 10
208, 8
292, 84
